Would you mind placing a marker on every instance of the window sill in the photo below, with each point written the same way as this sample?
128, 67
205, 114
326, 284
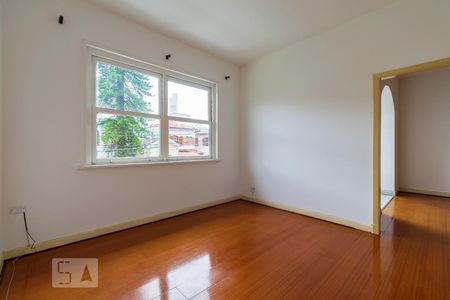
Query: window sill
141, 164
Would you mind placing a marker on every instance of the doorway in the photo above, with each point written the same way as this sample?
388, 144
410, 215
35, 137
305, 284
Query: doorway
388, 146
377, 129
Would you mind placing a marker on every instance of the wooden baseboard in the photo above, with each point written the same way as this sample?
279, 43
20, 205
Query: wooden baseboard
424, 192
388, 193
313, 214
1, 266
40, 246
44, 245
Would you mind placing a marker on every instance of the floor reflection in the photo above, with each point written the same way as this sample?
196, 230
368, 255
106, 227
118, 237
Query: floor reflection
187, 279
191, 278
151, 289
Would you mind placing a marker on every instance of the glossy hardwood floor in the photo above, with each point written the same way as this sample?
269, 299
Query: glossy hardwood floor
242, 250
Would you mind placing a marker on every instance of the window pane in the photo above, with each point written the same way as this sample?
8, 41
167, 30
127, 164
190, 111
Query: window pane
124, 89
187, 101
188, 139
125, 136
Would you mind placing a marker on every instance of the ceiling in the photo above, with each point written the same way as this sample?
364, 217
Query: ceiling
241, 30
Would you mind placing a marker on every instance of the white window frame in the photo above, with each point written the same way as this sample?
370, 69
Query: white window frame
165, 75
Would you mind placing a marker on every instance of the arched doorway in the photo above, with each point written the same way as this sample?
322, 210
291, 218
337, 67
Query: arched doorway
387, 146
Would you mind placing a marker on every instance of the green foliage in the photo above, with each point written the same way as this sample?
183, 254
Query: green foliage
121, 135
122, 89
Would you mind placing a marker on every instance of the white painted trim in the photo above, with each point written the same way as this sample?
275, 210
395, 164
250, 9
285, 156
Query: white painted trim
40, 246
424, 192
108, 111
313, 214
146, 163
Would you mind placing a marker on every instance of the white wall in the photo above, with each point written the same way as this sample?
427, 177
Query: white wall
44, 98
307, 109
387, 142
424, 139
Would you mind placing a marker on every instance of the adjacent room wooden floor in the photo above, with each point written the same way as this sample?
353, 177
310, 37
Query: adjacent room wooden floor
248, 251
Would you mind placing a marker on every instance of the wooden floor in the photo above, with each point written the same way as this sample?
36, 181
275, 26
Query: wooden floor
242, 250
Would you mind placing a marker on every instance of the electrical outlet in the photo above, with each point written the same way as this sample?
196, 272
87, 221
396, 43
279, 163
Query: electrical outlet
252, 190
16, 210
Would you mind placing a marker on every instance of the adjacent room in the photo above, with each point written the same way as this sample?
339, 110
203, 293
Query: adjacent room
205, 149
414, 136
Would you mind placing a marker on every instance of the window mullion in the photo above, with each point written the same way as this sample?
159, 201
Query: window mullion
164, 141
94, 135
126, 113
189, 120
